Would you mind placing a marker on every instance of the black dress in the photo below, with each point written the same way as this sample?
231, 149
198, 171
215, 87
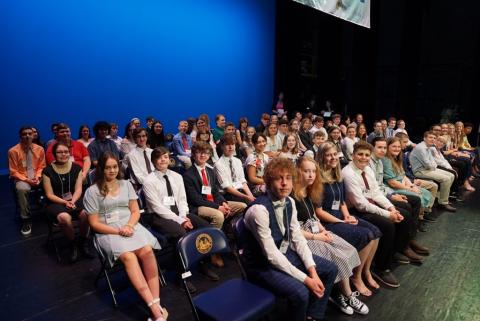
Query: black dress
62, 184
357, 235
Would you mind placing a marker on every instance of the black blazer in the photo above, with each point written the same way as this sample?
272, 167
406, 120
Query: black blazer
305, 138
193, 188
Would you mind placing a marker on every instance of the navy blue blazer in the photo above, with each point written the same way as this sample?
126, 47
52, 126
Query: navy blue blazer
193, 188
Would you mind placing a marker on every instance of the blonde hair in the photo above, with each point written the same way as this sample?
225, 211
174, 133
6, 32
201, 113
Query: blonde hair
329, 175
301, 190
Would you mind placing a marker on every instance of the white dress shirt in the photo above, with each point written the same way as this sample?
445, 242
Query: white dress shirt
155, 189
347, 147
357, 195
138, 166
224, 174
257, 221
315, 129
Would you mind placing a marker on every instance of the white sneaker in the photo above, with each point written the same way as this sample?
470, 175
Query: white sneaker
357, 305
341, 302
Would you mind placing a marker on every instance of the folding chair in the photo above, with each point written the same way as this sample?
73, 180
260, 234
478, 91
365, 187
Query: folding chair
106, 271
235, 299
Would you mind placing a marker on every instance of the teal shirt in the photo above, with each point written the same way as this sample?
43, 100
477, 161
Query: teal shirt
389, 172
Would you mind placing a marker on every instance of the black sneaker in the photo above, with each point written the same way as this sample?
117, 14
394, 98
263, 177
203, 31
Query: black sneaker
26, 229
341, 302
386, 277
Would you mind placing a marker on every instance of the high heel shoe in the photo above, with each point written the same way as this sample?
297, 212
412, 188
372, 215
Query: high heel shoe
164, 316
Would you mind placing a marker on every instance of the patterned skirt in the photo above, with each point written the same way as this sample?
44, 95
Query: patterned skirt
340, 252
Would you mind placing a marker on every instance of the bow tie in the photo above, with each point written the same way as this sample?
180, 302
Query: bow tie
278, 204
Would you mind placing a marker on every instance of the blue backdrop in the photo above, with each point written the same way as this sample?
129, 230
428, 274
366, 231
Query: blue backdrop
82, 61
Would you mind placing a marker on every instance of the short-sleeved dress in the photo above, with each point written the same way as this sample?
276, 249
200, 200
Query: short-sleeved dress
111, 245
259, 163
389, 173
340, 252
63, 185
358, 235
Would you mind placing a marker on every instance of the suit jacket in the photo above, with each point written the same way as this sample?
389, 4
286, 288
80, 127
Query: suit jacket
193, 188
305, 138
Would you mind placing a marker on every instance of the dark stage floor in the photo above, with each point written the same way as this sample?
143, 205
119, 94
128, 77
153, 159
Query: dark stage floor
35, 287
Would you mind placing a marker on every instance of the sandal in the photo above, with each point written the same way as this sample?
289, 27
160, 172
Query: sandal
164, 316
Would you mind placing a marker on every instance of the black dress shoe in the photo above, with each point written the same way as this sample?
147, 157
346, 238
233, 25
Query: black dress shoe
386, 277
447, 207
429, 217
208, 272
400, 258
418, 248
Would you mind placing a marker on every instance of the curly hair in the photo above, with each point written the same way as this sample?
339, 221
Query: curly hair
277, 166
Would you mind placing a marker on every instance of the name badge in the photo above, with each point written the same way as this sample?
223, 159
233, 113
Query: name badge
111, 217
67, 196
284, 246
315, 228
206, 190
238, 185
168, 200
336, 205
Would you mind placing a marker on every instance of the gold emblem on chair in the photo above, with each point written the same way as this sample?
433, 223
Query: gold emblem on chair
204, 243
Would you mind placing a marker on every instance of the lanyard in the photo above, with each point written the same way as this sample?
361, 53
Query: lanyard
308, 208
61, 181
335, 195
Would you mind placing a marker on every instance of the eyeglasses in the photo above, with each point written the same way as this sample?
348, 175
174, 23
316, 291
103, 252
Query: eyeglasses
63, 152
203, 153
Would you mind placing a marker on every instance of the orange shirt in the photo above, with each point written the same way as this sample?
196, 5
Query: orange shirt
17, 161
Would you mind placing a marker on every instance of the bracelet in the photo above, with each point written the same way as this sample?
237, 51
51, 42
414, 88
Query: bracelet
130, 226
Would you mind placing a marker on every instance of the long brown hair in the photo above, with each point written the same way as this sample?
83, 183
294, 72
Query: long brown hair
397, 162
285, 147
329, 175
301, 190
100, 172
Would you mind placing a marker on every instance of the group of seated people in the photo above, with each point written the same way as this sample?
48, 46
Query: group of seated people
324, 206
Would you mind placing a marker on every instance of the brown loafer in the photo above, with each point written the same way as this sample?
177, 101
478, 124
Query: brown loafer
412, 256
419, 249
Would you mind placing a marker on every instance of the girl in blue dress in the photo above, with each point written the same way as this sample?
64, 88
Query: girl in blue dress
334, 213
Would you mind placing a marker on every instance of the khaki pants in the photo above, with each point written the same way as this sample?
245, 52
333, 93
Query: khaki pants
216, 217
444, 178
22, 190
